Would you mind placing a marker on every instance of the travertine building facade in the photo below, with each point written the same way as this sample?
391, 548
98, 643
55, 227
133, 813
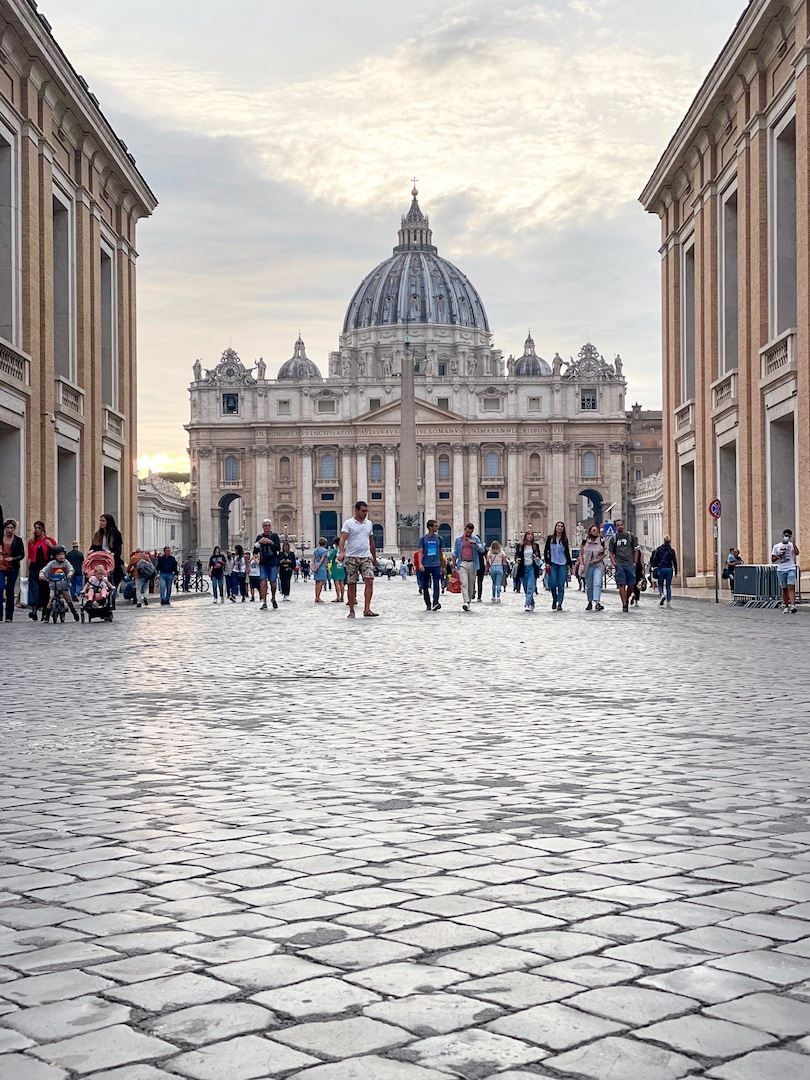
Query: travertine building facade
504, 444
70, 198
733, 194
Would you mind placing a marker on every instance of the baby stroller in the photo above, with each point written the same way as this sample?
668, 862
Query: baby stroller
103, 564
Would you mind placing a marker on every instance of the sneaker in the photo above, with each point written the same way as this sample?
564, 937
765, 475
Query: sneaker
139, 603
553, 605
785, 609
465, 607
275, 605
793, 610
75, 616
437, 607
669, 603
263, 607
32, 615
662, 602
145, 602
599, 607
625, 608
214, 601
589, 606
428, 607
559, 607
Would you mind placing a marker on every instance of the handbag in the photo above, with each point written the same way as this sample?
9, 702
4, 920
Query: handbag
726, 573
454, 584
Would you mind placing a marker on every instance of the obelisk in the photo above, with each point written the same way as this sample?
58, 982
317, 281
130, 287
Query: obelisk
408, 518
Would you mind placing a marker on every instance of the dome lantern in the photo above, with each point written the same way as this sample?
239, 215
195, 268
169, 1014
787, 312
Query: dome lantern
299, 366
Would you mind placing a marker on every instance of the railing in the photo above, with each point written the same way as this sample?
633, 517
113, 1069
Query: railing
492, 481
113, 423
15, 364
724, 391
685, 417
69, 397
778, 357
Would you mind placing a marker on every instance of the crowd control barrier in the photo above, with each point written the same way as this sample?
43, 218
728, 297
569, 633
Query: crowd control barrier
756, 587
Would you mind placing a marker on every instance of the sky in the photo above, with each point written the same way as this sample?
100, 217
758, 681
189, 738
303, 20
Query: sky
281, 139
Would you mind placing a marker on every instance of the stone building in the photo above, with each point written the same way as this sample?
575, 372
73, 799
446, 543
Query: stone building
163, 516
70, 198
648, 512
732, 191
503, 443
644, 457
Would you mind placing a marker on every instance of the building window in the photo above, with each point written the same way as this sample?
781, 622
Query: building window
328, 496
8, 237
491, 404
493, 494
444, 403
231, 470
442, 369
284, 470
688, 324
636, 475
328, 467
327, 405
443, 495
376, 496
646, 527
444, 467
374, 403
376, 469
230, 404
492, 464
535, 465
729, 282
108, 358
62, 267
589, 399
638, 458
172, 532
284, 407
589, 470
783, 226
534, 404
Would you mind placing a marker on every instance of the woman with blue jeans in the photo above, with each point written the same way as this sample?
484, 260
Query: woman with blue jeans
527, 562
216, 570
664, 563
592, 567
495, 560
557, 557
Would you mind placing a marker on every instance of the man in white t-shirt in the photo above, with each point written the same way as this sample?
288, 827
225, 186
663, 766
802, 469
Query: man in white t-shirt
358, 551
785, 555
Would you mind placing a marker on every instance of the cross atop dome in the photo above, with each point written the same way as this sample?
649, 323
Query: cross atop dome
415, 232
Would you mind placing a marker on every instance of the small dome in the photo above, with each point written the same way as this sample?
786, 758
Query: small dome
530, 365
299, 366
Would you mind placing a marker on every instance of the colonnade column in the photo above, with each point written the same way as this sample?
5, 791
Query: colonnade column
205, 540
458, 490
557, 483
307, 512
260, 485
617, 457
346, 484
430, 483
362, 475
390, 538
473, 493
513, 525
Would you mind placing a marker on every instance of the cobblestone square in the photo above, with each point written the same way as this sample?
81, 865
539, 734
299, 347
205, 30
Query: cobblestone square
244, 845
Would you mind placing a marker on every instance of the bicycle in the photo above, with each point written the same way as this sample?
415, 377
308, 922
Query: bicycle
199, 583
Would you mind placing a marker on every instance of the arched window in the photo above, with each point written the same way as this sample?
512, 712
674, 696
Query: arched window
194, 474
444, 467
231, 469
284, 470
589, 464
328, 467
535, 465
492, 464
379, 535
376, 469
446, 534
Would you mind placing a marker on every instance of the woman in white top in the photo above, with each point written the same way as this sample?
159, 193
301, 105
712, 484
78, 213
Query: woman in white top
591, 566
495, 565
255, 576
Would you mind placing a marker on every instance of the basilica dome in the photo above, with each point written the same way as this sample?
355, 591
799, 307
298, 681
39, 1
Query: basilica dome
530, 365
299, 366
415, 285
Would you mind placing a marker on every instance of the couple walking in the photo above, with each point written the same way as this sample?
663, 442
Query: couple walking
554, 561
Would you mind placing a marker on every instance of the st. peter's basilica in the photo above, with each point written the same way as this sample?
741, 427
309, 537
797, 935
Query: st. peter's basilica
506, 444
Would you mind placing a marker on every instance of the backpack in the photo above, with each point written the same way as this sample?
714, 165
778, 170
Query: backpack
146, 569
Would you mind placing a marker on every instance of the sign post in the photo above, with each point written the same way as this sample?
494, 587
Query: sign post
715, 510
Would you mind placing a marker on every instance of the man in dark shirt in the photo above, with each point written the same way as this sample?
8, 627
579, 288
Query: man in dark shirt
76, 560
268, 545
166, 568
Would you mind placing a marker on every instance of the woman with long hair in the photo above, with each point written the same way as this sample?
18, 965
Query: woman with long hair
39, 554
591, 567
216, 571
286, 566
557, 557
527, 563
496, 565
107, 537
320, 574
12, 553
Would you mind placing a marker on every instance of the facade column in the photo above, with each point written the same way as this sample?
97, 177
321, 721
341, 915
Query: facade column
205, 541
346, 484
616, 495
513, 501
458, 490
260, 487
430, 483
390, 538
362, 475
473, 495
307, 509
558, 450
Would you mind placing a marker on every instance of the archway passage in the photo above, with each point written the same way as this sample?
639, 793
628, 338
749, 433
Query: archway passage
225, 518
379, 537
595, 505
493, 526
446, 533
328, 525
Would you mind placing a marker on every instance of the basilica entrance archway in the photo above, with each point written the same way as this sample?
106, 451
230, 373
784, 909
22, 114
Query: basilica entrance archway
225, 519
595, 505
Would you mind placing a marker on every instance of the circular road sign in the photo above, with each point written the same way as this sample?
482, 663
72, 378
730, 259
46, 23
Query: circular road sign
715, 508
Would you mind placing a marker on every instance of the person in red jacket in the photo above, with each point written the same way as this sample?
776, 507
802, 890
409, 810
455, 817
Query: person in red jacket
39, 554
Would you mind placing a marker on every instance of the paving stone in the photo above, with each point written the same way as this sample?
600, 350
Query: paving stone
559, 944
402, 980
56, 986
370, 1068
70, 954
777, 927
772, 966
554, 1026
144, 966
188, 988
488, 960
763, 1064
625, 928
13, 1040
705, 1036
659, 955
354, 955
623, 1059
433, 1014
247, 1057
316, 997
720, 939
632, 1005
438, 935
103, 1049
470, 1054
337, 1039
591, 970
775, 1013
62, 1019
20, 1067
268, 972
203, 1024
707, 984
503, 921
228, 949
132, 1072
518, 989
151, 942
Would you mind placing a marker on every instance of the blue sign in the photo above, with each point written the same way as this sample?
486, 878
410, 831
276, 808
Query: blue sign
609, 528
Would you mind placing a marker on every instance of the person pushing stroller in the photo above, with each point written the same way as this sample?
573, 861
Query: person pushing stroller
98, 592
58, 574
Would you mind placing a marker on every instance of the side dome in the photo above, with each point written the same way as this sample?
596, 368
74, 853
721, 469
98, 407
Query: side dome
415, 285
530, 365
299, 366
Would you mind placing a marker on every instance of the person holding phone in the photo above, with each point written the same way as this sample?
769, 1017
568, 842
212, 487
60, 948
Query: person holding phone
785, 555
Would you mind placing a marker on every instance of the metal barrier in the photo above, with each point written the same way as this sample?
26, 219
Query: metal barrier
757, 587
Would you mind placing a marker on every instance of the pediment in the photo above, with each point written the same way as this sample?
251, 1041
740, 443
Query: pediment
426, 413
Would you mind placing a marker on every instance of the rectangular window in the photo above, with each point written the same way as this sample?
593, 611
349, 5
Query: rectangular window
8, 239
444, 495
638, 458
172, 532
534, 404
284, 407
444, 403
374, 403
646, 527
230, 404
108, 359
493, 494
61, 269
729, 283
688, 324
491, 404
589, 400
376, 496
636, 475
327, 405
783, 228
442, 369
328, 496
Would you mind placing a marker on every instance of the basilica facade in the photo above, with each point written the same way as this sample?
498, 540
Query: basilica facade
505, 443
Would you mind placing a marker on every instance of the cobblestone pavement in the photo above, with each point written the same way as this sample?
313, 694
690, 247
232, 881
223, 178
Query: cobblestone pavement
238, 845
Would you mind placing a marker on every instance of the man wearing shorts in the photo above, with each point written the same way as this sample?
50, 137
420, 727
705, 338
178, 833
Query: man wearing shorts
784, 555
623, 547
357, 550
268, 546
